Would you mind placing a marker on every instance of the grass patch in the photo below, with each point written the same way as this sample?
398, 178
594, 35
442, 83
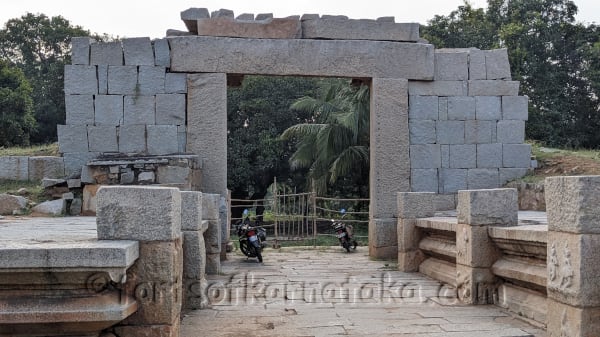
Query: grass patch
35, 192
36, 150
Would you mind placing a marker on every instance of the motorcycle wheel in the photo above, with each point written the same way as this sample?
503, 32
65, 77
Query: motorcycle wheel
355, 244
346, 246
258, 254
244, 248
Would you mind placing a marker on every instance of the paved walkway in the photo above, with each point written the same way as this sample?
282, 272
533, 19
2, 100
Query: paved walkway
326, 292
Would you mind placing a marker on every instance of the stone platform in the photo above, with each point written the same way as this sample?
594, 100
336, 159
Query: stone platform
324, 291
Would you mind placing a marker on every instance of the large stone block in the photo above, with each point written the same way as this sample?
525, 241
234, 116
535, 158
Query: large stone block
383, 233
80, 50
573, 268
212, 237
508, 174
463, 156
151, 80
132, 138
80, 80
497, 207
461, 108
510, 132
170, 109
452, 180
155, 280
11, 203
477, 69
423, 107
102, 79
425, 156
175, 83
488, 107
489, 155
46, 167
424, 180
493, 88
496, 64
110, 53
442, 108
191, 16
139, 110
138, 51
103, 138
162, 53
515, 107
516, 155
191, 211
207, 128
336, 29
122, 80
213, 263
451, 65
175, 175
450, 132
565, 320
445, 151
422, 131
479, 132
72, 138
348, 58
14, 168
572, 204
210, 206
138, 213
181, 138
109, 110
194, 255
277, 28
412, 205
438, 88
75, 160
162, 139
474, 247
475, 285
483, 178
79, 109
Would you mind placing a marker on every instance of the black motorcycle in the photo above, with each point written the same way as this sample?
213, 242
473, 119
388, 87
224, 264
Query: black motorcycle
344, 233
252, 238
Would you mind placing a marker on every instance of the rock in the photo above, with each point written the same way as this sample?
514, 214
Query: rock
52, 182
11, 203
53, 207
75, 208
22, 191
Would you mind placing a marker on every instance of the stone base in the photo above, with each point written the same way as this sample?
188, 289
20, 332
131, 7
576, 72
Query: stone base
384, 253
170, 330
410, 261
475, 285
440, 270
565, 320
524, 302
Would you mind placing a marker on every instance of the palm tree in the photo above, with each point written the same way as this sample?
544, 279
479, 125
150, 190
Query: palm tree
335, 142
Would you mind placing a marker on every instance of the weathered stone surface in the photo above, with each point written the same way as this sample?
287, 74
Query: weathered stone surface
103, 138
227, 13
162, 139
49, 182
572, 204
451, 65
9, 204
383, 233
139, 110
565, 320
170, 109
515, 107
162, 53
245, 17
90, 201
175, 83
106, 53
510, 132
191, 211
438, 88
138, 51
207, 127
443, 108
483, 178
530, 304
497, 207
496, 64
102, 73
479, 132
461, 108
181, 138
508, 174
474, 247
46, 167
122, 80
452, 180
151, 80
79, 109
14, 168
109, 110
422, 132
424, 180
488, 107
444, 202
493, 88
516, 155
75, 160
477, 69
463, 156
475, 285
450, 132
213, 263
210, 206
132, 138
191, 16
359, 30
194, 255
53, 207
169, 175
155, 330
80, 50
415, 205
445, 151
138, 213
147, 177
425, 156
350, 58
80, 80
269, 29
423, 107
212, 237
72, 138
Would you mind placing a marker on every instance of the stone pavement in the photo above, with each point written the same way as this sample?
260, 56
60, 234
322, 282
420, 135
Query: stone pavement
325, 292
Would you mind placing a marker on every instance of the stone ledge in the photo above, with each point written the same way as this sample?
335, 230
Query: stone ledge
263, 29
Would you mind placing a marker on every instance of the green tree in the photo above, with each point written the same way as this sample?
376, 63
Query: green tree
40, 46
334, 143
16, 119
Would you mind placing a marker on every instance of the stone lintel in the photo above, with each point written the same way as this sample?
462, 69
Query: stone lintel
278, 28
347, 58
360, 30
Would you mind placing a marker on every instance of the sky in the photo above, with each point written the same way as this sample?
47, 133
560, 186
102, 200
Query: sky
152, 18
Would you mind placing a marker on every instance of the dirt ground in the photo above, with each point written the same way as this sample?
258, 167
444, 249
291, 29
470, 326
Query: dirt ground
567, 164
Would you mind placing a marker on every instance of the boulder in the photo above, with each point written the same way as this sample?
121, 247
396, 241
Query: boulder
53, 207
11, 203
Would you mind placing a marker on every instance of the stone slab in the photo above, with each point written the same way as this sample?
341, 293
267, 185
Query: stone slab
424, 180
122, 80
415, 205
463, 156
138, 51
483, 178
477, 70
103, 138
175, 83
79, 109
132, 138
450, 132
139, 213
162, 53
461, 108
572, 204
162, 139
140, 110
190, 18
333, 29
80, 80
438, 88
530, 304
106, 53
515, 107
102, 71
191, 211
452, 180
508, 174
565, 320
72, 138
479, 132
493, 88
194, 255
108, 110
423, 107
151, 80
170, 109
516, 155
474, 247
496, 64
41, 167
422, 131
277, 28
425, 156
349, 58
488, 108
212, 236
80, 50
383, 233
14, 168
497, 207
75, 160
510, 132
451, 65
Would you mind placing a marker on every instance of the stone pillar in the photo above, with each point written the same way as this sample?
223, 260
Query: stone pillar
152, 216
475, 251
207, 128
194, 251
212, 236
412, 205
390, 163
573, 256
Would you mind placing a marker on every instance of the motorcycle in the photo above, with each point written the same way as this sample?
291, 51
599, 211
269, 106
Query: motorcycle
344, 233
251, 238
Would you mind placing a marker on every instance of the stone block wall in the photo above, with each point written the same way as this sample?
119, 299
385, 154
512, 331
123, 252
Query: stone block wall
467, 127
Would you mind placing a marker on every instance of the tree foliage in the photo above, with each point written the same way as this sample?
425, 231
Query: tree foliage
554, 57
40, 47
16, 119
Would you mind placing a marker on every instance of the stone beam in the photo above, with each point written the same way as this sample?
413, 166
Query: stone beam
343, 58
